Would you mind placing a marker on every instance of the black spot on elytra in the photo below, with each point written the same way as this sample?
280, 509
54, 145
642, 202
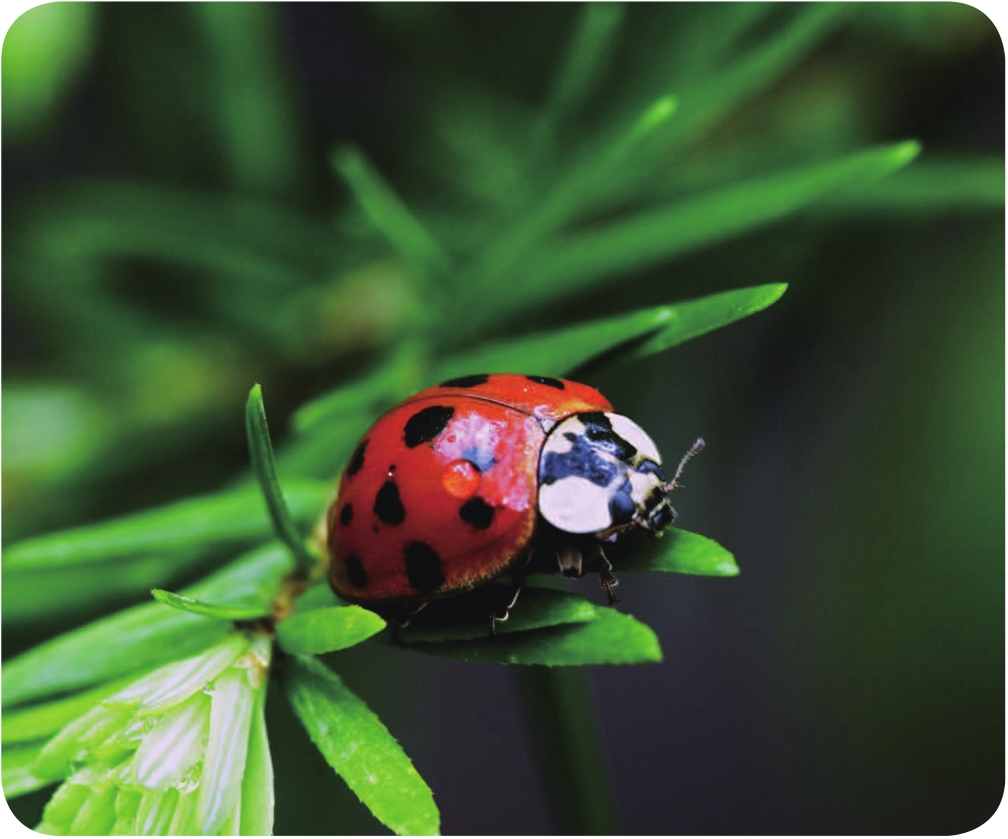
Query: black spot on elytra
423, 566
547, 380
355, 571
426, 424
600, 432
621, 505
387, 504
480, 458
357, 459
467, 381
582, 461
346, 514
477, 512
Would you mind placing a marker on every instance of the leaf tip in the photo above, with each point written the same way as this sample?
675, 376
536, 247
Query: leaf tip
906, 151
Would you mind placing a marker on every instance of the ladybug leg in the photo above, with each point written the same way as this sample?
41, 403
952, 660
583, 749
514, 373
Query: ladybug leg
606, 578
404, 614
508, 598
569, 560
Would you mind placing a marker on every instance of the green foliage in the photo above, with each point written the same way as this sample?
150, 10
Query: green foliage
356, 744
327, 629
261, 451
505, 237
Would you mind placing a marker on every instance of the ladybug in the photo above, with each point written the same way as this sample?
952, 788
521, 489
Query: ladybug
464, 482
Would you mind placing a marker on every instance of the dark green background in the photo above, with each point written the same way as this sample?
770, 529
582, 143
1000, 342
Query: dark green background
851, 680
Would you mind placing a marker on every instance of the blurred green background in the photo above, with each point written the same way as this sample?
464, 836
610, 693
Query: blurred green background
199, 197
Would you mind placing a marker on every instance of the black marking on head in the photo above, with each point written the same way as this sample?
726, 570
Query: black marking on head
547, 380
600, 431
356, 459
467, 381
423, 566
621, 505
480, 458
649, 467
355, 571
661, 517
387, 505
426, 424
346, 514
477, 512
582, 461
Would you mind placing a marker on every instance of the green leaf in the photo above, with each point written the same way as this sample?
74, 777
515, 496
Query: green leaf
926, 188
143, 636
557, 353
678, 551
586, 58
657, 235
35, 595
387, 211
261, 452
460, 619
225, 517
18, 777
41, 721
257, 118
357, 745
210, 610
612, 638
324, 630
257, 794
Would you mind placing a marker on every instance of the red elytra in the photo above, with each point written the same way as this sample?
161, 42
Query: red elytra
440, 495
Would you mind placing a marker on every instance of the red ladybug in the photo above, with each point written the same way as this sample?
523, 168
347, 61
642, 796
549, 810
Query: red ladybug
463, 482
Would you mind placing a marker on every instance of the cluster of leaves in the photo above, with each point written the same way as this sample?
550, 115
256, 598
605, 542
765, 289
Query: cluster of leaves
552, 627
534, 210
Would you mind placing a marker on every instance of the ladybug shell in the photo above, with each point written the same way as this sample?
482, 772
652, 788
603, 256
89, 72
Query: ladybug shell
440, 495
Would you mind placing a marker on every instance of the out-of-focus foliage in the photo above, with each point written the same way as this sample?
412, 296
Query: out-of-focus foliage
349, 202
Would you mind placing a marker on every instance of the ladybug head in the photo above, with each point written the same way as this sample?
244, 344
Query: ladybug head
601, 473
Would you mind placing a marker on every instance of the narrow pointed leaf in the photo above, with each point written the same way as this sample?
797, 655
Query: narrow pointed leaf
257, 796
612, 638
220, 611
557, 353
141, 637
261, 452
17, 775
387, 211
655, 235
324, 630
357, 745
586, 58
232, 516
43, 721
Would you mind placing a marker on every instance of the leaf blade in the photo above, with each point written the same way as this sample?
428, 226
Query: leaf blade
557, 353
220, 611
360, 749
325, 630
680, 552
231, 516
140, 637
261, 453
612, 638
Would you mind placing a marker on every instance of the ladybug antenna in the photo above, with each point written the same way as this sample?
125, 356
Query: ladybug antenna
696, 448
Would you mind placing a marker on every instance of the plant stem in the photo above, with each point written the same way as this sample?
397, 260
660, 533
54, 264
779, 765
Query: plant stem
562, 724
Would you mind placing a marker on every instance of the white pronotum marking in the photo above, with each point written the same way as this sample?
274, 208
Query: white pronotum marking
635, 436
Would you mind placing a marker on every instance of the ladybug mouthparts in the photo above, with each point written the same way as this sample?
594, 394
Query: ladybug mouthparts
601, 473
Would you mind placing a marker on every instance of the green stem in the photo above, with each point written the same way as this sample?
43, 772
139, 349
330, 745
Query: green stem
562, 723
